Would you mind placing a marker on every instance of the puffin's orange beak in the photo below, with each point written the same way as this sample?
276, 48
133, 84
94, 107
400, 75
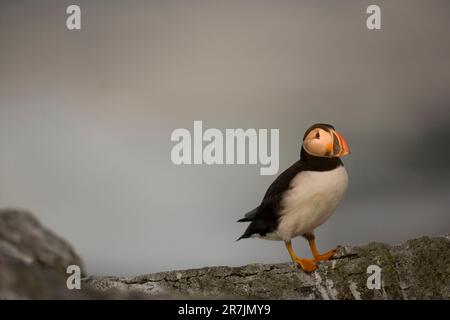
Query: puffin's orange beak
340, 145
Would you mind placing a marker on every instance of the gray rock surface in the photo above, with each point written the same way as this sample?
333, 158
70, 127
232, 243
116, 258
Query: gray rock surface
33, 263
417, 269
23, 239
33, 260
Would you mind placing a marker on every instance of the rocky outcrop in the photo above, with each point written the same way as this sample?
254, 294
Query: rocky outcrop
417, 269
33, 264
23, 239
33, 260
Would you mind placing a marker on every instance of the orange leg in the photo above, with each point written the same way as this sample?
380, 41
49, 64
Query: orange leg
320, 257
307, 265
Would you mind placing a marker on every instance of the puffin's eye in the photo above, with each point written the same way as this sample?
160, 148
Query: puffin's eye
317, 134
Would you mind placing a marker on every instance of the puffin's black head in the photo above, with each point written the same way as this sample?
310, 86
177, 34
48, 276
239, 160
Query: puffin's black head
322, 140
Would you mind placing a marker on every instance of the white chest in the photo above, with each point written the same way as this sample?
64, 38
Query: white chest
310, 201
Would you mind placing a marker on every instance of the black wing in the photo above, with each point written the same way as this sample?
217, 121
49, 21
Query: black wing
264, 218
281, 184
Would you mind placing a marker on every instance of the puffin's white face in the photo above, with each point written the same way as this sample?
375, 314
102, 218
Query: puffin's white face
325, 143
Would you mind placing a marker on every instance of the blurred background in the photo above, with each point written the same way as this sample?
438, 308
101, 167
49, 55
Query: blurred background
86, 118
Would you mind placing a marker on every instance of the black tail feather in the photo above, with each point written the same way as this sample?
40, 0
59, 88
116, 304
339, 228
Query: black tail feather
250, 216
244, 236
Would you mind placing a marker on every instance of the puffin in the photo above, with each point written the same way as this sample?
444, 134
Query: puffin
304, 196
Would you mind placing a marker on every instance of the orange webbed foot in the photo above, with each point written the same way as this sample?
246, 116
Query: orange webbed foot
325, 256
308, 265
